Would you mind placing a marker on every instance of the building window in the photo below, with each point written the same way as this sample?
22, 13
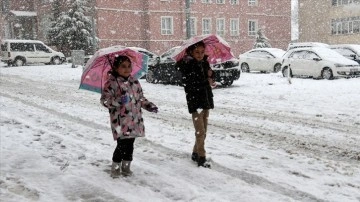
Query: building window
234, 2
344, 2
206, 25
220, 1
167, 25
252, 2
5, 6
220, 26
234, 27
349, 25
252, 27
206, 1
193, 28
356, 26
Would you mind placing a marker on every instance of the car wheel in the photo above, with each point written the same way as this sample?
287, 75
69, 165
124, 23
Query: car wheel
327, 74
226, 82
245, 67
56, 60
150, 76
19, 61
286, 73
277, 67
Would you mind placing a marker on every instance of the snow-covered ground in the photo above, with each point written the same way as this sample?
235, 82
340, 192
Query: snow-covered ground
267, 141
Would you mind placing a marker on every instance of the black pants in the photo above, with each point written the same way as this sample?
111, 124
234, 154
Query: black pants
124, 150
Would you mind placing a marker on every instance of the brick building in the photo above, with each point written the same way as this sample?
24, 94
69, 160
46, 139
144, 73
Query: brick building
329, 21
158, 25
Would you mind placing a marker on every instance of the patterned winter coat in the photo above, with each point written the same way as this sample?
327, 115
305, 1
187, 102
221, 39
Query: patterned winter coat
197, 87
125, 118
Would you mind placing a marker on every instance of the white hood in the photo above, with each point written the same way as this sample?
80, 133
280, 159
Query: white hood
343, 61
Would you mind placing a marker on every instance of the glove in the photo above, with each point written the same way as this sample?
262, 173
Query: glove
154, 109
124, 99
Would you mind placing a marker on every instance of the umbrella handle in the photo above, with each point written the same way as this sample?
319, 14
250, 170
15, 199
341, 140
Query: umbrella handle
110, 63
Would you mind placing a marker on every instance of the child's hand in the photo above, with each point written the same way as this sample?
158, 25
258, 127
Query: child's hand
154, 110
210, 73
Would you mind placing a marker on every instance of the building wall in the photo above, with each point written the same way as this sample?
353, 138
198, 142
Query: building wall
315, 18
138, 22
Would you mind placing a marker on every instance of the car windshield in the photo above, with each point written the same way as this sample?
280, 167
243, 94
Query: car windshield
356, 48
278, 53
328, 53
169, 52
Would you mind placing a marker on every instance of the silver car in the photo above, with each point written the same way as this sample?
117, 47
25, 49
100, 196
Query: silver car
261, 59
318, 62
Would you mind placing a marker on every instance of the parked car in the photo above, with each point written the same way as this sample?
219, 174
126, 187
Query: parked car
350, 51
261, 59
306, 44
21, 52
152, 56
318, 62
164, 70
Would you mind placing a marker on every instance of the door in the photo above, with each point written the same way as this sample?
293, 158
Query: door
254, 61
43, 53
311, 64
296, 62
24, 49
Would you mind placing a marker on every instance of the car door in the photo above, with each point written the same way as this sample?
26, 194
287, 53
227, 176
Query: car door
295, 62
267, 60
43, 53
253, 60
27, 50
311, 64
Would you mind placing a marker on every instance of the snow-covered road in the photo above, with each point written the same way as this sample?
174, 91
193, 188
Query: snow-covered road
267, 140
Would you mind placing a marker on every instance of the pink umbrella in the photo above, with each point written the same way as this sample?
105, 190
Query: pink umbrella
216, 48
96, 69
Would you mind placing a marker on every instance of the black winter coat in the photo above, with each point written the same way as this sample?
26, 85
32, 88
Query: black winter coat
195, 80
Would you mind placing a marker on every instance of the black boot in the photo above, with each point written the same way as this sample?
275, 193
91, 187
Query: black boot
202, 162
194, 156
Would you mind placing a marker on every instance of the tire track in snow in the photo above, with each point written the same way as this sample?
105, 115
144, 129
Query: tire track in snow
286, 139
147, 144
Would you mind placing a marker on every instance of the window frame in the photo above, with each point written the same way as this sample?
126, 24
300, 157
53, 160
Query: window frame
344, 26
252, 2
218, 31
193, 26
235, 32
203, 26
167, 31
252, 32
234, 2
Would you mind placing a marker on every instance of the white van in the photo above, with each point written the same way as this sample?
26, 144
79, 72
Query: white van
306, 44
21, 52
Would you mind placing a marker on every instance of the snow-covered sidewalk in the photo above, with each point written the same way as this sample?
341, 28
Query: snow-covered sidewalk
267, 140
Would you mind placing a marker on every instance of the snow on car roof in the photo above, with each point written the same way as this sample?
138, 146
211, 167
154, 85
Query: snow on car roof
321, 51
277, 52
143, 49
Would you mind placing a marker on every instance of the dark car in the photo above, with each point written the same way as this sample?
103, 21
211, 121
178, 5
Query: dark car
164, 71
